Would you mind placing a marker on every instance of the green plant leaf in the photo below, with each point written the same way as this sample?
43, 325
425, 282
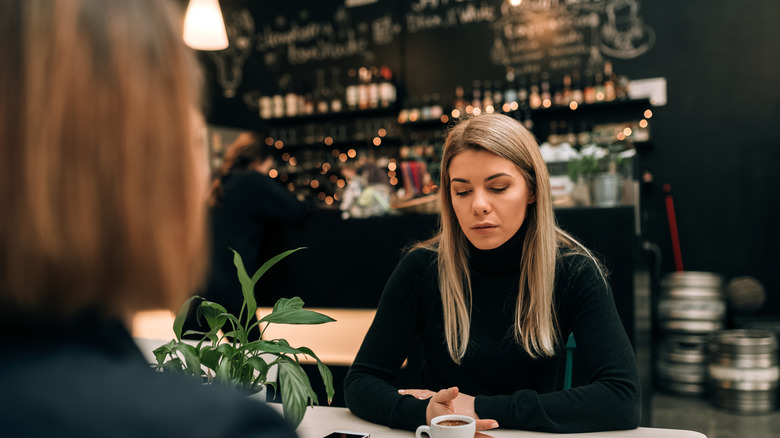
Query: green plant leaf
247, 284
267, 265
296, 391
178, 323
174, 365
270, 346
294, 303
296, 316
260, 366
210, 356
161, 352
223, 372
214, 313
327, 376
227, 350
190, 358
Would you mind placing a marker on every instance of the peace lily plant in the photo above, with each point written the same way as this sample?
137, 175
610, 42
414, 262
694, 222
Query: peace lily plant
233, 351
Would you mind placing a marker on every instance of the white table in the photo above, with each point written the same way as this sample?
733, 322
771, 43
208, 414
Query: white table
321, 420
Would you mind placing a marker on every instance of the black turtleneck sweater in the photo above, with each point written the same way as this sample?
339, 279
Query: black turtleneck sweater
510, 387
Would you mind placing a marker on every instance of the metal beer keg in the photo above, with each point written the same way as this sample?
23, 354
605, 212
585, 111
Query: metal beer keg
744, 371
691, 302
691, 306
682, 364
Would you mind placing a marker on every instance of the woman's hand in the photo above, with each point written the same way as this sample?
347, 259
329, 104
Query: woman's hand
450, 401
420, 394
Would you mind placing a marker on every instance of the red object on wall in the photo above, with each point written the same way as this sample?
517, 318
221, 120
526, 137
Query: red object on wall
676, 251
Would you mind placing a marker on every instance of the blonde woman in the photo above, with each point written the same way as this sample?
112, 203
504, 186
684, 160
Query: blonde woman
492, 298
103, 186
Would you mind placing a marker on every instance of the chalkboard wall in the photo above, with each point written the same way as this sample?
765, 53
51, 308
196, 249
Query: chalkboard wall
433, 46
715, 141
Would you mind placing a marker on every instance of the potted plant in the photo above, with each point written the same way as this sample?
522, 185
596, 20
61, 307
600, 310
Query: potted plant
233, 352
581, 170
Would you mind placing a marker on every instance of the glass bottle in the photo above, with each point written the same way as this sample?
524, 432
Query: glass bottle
336, 91
321, 93
546, 94
353, 91
576, 87
534, 97
387, 90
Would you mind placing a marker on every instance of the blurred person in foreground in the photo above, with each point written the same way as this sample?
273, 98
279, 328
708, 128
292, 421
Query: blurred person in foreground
103, 185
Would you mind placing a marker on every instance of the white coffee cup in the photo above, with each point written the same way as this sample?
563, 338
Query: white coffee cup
439, 430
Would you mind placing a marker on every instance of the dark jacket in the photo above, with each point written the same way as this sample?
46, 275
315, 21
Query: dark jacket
88, 379
251, 202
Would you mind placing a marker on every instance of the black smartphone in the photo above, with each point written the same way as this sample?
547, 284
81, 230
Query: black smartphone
345, 434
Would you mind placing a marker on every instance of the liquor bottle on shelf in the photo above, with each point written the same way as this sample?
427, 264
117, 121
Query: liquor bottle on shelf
598, 82
290, 101
528, 121
566, 93
552, 136
622, 87
487, 96
589, 88
510, 92
373, 87
278, 103
266, 105
308, 102
545, 93
415, 111
534, 97
610, 92
425, 107
460, 102
567, 131
403, 115
522, 93
321, 93
584, 137
576, 87
437, 110
387, 90
476, 94
498, 95
364, 79
557, 92
353, 90
336, 91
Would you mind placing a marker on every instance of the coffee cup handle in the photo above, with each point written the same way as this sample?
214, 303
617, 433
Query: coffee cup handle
421, 430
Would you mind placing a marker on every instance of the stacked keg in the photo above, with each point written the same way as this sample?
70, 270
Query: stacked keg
691, 306
744, 371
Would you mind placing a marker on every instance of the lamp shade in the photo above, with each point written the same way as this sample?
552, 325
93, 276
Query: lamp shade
204, 28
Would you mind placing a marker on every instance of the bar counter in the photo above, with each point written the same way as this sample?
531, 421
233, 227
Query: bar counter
348, 261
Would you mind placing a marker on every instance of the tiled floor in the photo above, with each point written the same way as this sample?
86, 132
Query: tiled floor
695, 413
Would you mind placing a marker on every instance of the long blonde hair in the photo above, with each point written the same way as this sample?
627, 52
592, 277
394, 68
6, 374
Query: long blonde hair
535, 327
102, 176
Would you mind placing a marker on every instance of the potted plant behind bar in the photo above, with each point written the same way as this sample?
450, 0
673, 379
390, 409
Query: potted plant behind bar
239, 357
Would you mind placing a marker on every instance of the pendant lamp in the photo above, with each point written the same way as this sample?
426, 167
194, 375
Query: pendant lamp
204, 28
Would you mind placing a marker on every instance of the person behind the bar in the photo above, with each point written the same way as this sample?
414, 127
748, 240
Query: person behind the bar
103, 186
492, 299
244, 201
